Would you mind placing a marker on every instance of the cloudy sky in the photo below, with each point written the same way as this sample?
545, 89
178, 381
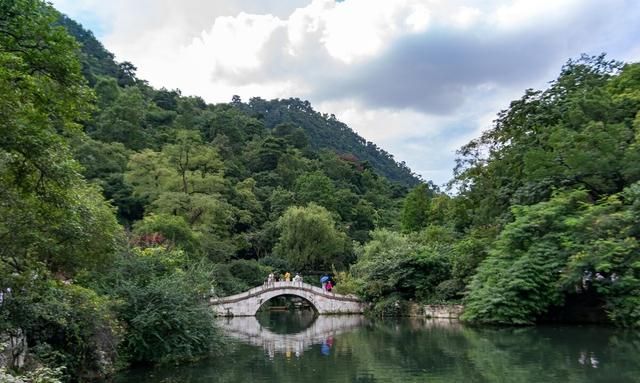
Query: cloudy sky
418, 77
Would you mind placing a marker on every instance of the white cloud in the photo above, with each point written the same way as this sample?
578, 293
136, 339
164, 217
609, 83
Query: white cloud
525, 13
465, 17
418, 77
237, 41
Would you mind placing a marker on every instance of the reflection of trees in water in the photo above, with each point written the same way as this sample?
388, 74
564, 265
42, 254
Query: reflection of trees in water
574, 354
426, 350
418, 350
290, 322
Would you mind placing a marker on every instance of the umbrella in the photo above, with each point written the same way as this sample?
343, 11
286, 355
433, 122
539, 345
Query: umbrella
324, 279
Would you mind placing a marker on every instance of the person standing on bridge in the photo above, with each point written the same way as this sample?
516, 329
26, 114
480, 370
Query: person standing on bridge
297, 279
324, 279
287, 277
329, 285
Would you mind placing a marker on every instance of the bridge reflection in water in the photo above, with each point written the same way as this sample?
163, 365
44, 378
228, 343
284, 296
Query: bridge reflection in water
320, 331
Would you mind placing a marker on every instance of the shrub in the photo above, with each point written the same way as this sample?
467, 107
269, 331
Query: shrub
166, 322
392, 305
66, 325
39, 375
162, 305
239, 275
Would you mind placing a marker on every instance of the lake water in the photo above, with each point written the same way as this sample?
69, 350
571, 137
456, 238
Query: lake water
300, 348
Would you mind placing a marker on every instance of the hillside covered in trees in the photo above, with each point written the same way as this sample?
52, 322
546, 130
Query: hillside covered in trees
125, 207
326, 132
323, 131
545, 224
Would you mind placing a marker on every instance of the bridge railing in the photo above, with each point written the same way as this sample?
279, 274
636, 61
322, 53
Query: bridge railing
279, 285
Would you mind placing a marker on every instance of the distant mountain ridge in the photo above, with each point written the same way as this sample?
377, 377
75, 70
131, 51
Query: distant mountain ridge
324, 131
327, 132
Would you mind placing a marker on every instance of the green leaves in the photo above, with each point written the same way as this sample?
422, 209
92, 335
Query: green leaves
557, 175
577, 133
403, 266
51, 214
162, 304
415, 213
309, 239
519, 280
557, 248
54, 224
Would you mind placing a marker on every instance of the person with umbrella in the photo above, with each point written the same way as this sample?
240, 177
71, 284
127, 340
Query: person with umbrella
324, 280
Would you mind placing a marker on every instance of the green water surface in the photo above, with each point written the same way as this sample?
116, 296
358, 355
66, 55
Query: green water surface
298, 348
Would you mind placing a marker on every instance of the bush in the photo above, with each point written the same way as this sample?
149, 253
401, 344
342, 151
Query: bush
162, 304
66, 325
391, 306
345, 283
159, 229
448, 290
166, 322
39, 375
277, 264
394, 263
239, 275
519, 280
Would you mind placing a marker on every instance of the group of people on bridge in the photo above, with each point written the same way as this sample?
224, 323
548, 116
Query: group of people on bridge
275, 277
326, 280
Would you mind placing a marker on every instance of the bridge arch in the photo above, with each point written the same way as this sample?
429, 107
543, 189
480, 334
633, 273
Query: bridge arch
288, 295
249, 302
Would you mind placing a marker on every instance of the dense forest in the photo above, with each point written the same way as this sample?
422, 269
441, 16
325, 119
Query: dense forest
125, 207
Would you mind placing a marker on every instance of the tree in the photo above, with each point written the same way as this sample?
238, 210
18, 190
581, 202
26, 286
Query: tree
124, 120
54, 224
317, 188
401, 266
519, 280
309, 239
266, 155
576, 133
50, 213
126, 74
561, 248
160, 298
295, 136
185, 179
96, 60
161, 228
415, 212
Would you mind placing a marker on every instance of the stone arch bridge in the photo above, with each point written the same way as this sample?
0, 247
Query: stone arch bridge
249, 302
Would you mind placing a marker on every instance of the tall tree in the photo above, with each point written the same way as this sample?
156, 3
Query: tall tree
309, 239
49, 212
415, 212
53, 223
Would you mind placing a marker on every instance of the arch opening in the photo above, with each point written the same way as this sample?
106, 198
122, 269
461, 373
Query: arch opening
287, 303
286, 314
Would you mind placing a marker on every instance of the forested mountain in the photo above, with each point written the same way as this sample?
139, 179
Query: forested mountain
327, 132
272, 149
124, 207
323, 131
